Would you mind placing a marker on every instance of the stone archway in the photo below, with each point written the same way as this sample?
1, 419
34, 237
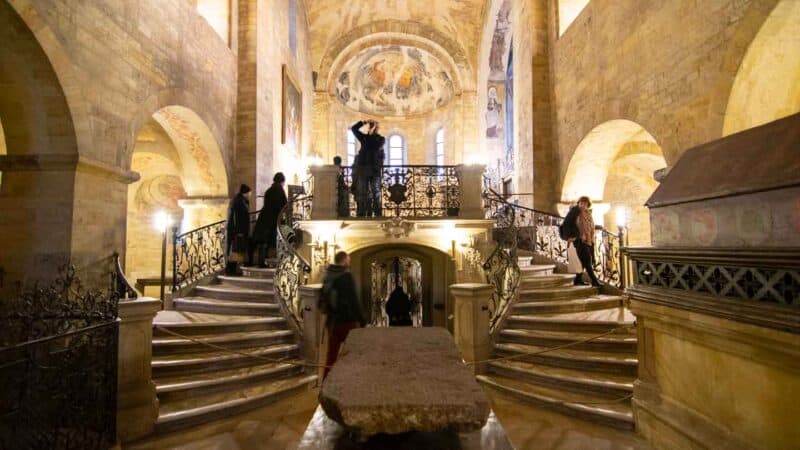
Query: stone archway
182, 174
767, 84
614, 166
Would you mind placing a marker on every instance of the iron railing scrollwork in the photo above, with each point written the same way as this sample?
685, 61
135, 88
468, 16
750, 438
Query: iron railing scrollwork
410, 191
58, 366
197, 254
293, 270
501, 268
120, 282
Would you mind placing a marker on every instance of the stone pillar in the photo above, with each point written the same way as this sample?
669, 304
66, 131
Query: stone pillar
137, 405
471, 325
323, 206
312, 325
471, 183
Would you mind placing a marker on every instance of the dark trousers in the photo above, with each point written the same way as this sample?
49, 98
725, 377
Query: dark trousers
337, 333
368, 196
585, 255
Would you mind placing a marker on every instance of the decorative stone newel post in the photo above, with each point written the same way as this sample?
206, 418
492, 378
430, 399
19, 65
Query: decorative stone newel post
137, 405
312, 325
323, 205
471, 182
471, 324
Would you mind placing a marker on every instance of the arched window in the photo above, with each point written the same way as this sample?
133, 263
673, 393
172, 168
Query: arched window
351, 147
396, 151
440, 147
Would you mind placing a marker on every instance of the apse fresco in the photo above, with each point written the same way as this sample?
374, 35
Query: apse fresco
394, 80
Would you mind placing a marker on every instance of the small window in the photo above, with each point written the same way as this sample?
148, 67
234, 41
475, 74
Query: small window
440, 147
395, 156
351, 147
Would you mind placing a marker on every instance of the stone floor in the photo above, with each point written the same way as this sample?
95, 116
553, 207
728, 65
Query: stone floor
279, 426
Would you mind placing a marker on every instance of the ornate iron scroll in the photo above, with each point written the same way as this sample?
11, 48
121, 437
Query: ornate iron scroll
501, 268
410, 191
293, 270
197, 254
122, 286
58, 366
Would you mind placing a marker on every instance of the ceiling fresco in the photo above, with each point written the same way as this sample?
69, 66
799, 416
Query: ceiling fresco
394, 80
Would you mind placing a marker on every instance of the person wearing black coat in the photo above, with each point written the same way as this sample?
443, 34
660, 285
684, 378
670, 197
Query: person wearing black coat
398, 308
265, 233
368, 169
584, 249
238, 228
343, 308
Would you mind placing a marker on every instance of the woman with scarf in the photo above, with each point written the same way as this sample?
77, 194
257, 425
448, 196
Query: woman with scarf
579, 230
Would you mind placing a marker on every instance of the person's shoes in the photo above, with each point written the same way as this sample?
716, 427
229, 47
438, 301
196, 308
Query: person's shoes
597, 284
579, 282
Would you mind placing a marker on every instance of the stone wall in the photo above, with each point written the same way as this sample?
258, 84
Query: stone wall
116, 63
626, 59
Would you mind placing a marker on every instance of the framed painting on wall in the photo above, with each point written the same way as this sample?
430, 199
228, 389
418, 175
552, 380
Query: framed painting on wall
292, 112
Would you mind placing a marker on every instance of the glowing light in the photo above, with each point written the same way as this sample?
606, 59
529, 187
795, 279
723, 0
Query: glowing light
162, 221
622, 216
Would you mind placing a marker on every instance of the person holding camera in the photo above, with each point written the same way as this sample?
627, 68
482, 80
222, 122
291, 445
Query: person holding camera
368, 168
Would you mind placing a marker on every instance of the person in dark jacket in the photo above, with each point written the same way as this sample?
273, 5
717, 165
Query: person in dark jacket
265, 233
369, 168
342, 192
398, 308
343, 309
579, 231
238, 228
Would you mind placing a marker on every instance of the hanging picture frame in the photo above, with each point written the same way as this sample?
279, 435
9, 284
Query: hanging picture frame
292, 113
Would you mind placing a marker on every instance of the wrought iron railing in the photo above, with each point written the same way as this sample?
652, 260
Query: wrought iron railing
405, 191
197, 254
58, 367
122, 287
293, 270
538, 232
501, 268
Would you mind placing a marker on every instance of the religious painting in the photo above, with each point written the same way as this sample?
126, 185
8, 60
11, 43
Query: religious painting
292, 129
494, 111
394, 80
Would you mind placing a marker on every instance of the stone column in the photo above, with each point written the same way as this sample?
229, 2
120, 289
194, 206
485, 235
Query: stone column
471, 183
312, 325
137, 405
323, 206
471, 325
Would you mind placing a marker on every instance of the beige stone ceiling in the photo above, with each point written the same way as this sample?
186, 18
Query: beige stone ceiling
459, 20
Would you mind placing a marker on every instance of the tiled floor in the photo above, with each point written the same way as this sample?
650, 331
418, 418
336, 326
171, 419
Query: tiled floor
280, 426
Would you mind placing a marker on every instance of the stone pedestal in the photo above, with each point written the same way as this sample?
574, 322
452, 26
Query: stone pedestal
137, 405
312, 325
323, 205
471, 323
471, 183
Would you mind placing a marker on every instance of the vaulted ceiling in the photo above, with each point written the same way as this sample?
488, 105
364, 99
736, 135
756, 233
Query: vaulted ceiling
455, 25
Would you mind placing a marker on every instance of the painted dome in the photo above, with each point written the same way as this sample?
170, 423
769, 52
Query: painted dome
394, 80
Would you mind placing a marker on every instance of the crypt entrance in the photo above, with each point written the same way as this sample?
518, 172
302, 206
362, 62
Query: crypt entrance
423, 273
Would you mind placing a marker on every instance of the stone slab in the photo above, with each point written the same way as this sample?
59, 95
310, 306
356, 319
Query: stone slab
397, 380
323, 433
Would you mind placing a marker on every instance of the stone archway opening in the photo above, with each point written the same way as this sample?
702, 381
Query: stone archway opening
614, 165
396, 273
767, 84
182, 175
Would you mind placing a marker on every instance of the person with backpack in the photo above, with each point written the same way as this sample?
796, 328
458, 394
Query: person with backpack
578, 229
339, 302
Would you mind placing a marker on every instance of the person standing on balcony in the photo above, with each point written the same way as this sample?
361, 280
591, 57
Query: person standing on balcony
342, 192
265, 233
579, 231
238, 231
368, 169
339, 302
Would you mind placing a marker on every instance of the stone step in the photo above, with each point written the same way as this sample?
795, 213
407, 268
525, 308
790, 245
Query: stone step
224, 292
581, 322
597, 361
537, 269
182, 387
232, 307
263, 284
258, 272
557, 293
218, 406
169, 365
618, 415
171, 345
197, 324
547, 281
607, 385
618, 343
564, 306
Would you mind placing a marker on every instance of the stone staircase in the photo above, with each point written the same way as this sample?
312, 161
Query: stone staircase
197, 384
586, 380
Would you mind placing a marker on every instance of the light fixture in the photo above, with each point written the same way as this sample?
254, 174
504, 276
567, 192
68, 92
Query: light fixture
622, 217
162, 221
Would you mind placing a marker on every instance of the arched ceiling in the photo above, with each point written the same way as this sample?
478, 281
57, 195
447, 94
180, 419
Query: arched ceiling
459, 20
